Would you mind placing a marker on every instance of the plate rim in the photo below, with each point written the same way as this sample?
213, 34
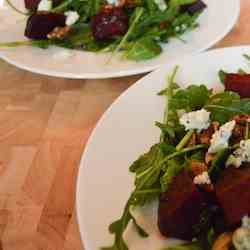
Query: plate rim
121, 73
82, 173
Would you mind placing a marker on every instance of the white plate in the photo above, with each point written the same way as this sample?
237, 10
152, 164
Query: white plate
124, 132
217, 20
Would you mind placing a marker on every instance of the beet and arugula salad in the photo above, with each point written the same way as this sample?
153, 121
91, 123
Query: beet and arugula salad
199, 171
138, 28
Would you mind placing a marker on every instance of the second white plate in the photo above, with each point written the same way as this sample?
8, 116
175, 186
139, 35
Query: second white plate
216, 21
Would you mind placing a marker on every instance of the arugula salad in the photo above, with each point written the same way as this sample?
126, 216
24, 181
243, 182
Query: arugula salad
199, 171
137, 28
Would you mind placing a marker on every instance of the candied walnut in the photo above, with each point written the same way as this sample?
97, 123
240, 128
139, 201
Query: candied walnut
192, 140
59, 32
198, 167
209, 158
242, 119
223, 242
205, 136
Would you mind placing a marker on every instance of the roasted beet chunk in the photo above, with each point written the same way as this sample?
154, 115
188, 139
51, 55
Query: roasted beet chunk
180, 208
232, 191
108, 24
194, 7
40, 24
238, 83
31, 4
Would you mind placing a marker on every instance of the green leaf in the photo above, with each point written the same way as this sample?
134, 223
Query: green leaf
222, 75
166, 129
247, 57
189, 99
143, 49
225, 105
198, 156
173, 168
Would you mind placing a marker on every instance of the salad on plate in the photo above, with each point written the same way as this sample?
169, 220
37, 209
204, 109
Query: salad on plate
199, 171
137, 28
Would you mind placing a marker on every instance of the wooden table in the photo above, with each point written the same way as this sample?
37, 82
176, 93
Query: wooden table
44, 125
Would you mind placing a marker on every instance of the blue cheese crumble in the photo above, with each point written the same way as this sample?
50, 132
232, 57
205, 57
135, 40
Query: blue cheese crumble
241, 237
221, 137
113, 2
240, 155
71, 17
199, 120
45, 5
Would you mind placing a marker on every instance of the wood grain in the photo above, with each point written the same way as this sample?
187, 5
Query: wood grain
44, 125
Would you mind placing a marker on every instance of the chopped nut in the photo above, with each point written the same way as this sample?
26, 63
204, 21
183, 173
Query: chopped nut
205, 136
192, 140
198, 167
59, 32
209, 158
223, 242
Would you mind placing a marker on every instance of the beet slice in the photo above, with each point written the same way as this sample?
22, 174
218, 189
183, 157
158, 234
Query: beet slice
238, 83
195, 7
180, 208
108, 24
31, 4
40, 24
232, 192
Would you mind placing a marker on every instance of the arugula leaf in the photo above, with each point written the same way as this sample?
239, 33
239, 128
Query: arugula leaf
166, 130
143, 49
173, 168
222, 75
225, 105
95, 6
189, 99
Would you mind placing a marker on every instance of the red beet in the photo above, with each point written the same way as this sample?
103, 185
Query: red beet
40, 24
180, 208
195, 7
238, 83
33, 4
108, 24
232, 191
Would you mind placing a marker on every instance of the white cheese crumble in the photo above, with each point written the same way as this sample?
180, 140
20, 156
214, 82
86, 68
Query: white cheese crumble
71, 17
196, 120
240, 155
241, 237
221, 137
113, 2
246, 222
161, 4
202, 179
45, 5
